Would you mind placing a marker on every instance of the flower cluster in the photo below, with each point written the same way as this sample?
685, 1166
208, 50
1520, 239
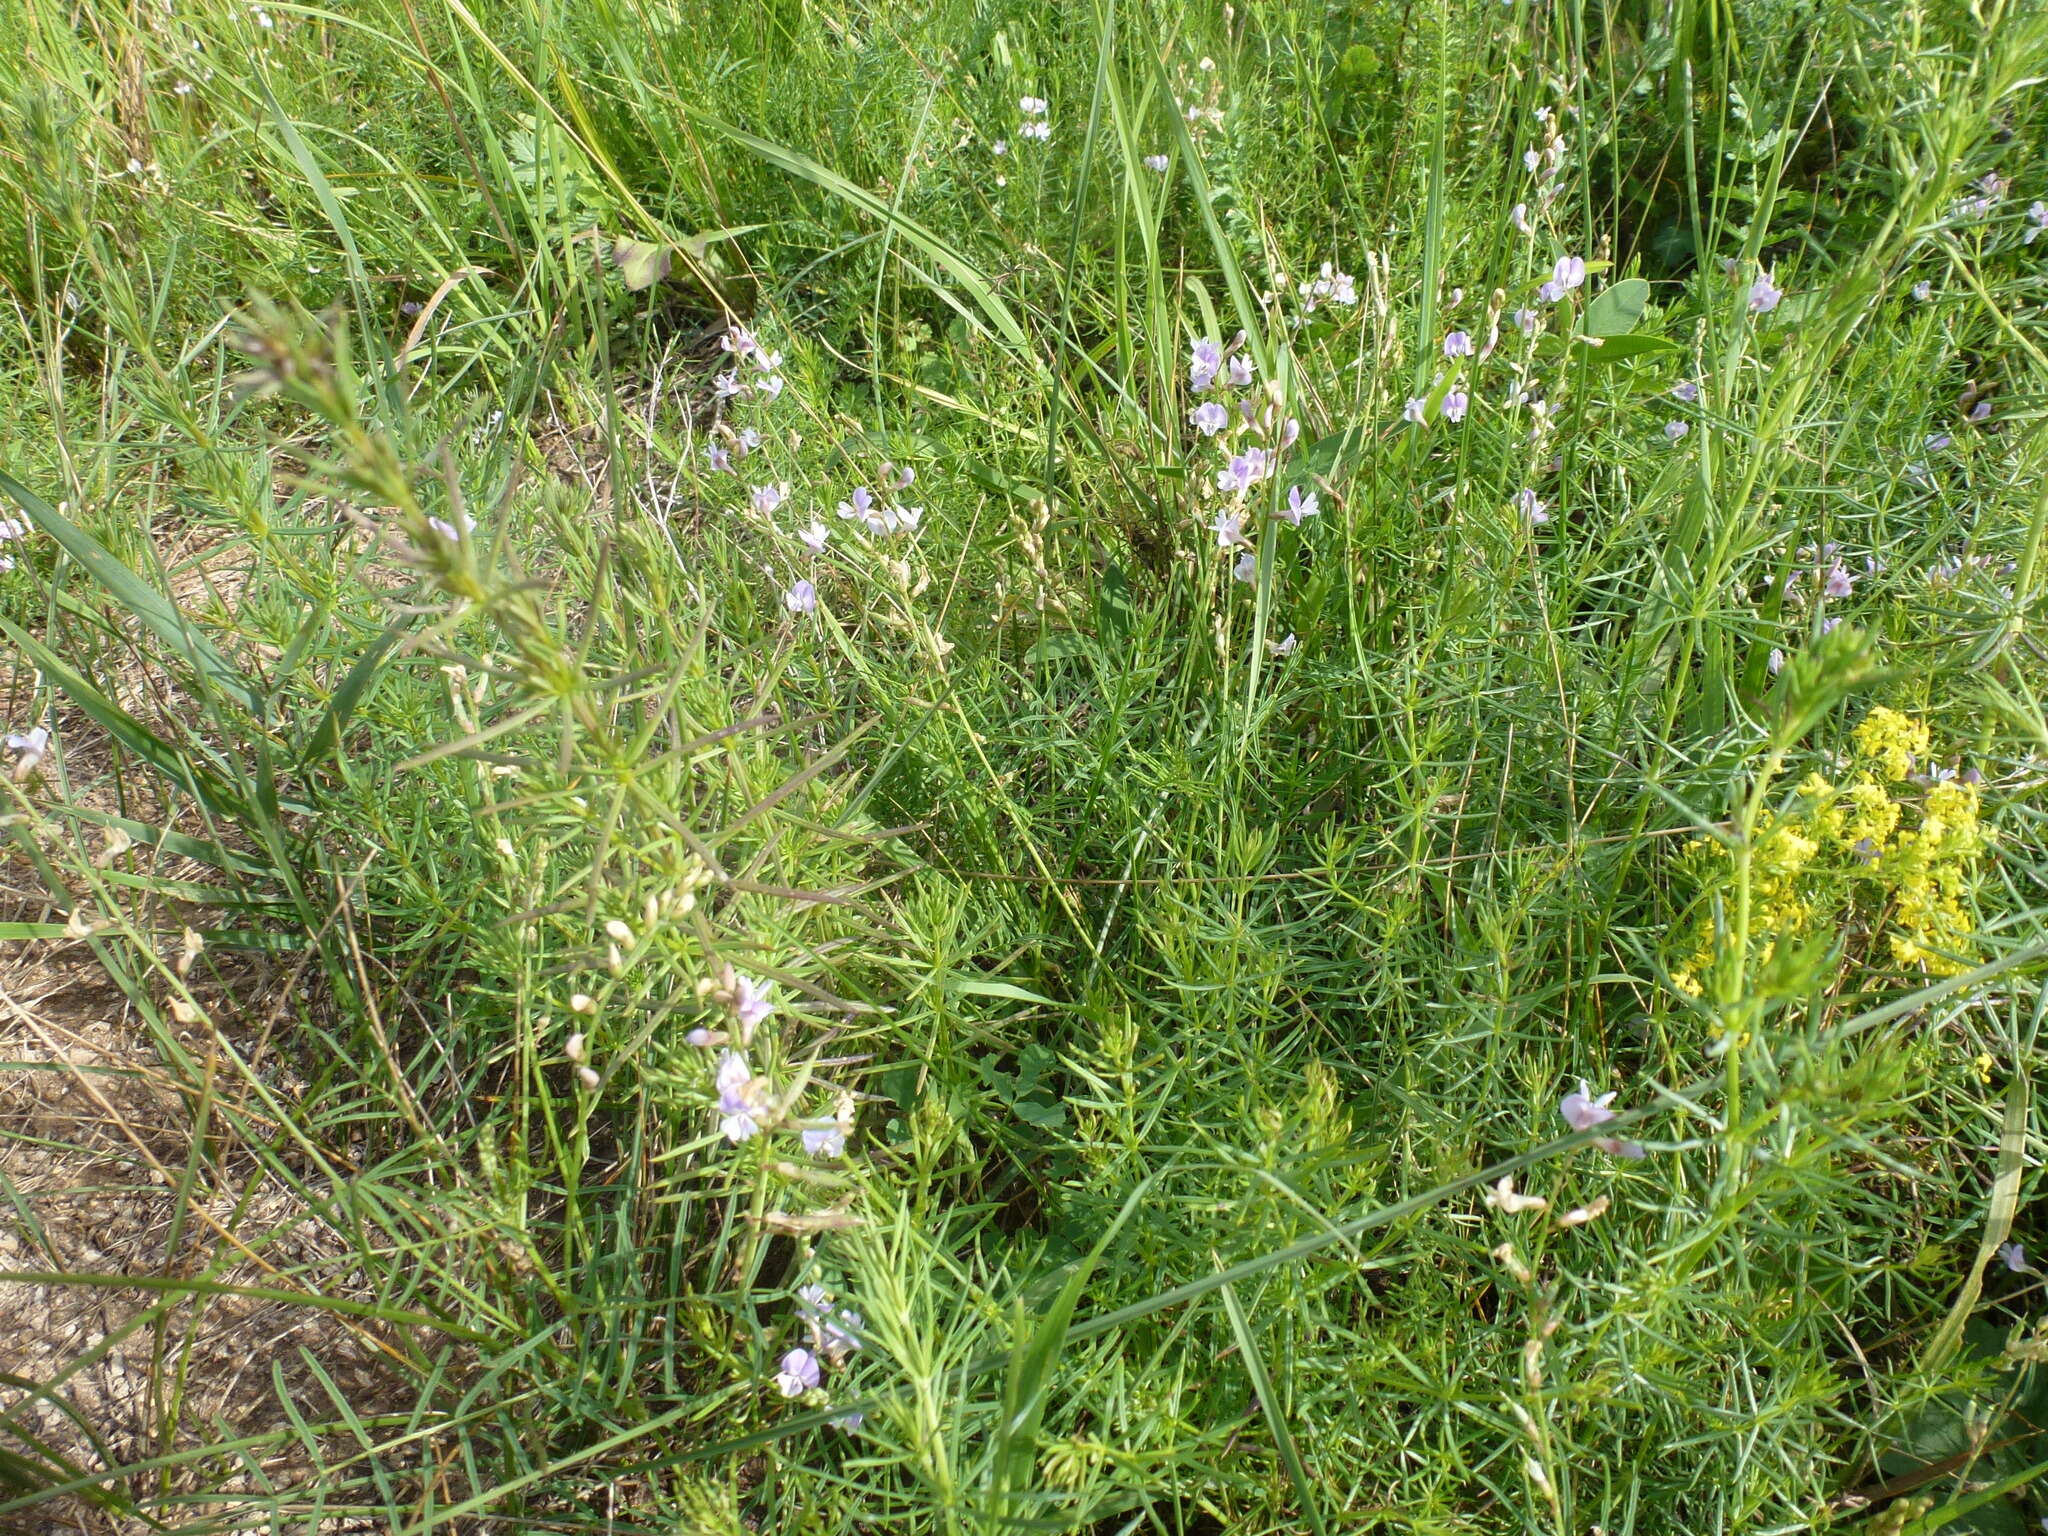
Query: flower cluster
1254, 440
746, 1102
1034, 125
765, 383
835, 1334
1863, 850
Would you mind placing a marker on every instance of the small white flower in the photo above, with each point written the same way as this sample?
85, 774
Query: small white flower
1502, 1197
1247, 568
1156, 163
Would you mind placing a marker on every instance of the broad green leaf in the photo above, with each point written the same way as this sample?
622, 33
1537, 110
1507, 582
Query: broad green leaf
1617, 308
1620, 349
641, 263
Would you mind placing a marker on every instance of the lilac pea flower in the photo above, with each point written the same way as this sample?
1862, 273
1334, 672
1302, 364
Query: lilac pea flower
12, 528
31, 747
1241, 371
448, 530
1777, 662
2014, 1255
1280, 650
1582, 1111
2037, 218
1923, 291
1206, 361
1685, 390
750, 1002
1414, 410
739, 341
738, 1110
1244, 471
1209, 417
701, 1037
814, 537
1039, 130
1937, 441
1527, 320
1000, 147
1569, 273
801, 598
1829, 626
1455, 405
1032, 106
1530, 506
721, 461
850, 1423
766, 498
1674, 430
1247, 568
1838, 582
799, 1373
1981, 411
826, 1141
749, 439
1458, 344
770, 386
1764, 296
1228, 528
1550, 292
860, 505
1290, 431
1532, 160
905, 478
1300, 504
727, 385
1520, 219
1156, 163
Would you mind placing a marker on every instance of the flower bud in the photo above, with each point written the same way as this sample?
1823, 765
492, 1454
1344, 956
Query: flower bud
583, 1002
588, 1077
573, 1048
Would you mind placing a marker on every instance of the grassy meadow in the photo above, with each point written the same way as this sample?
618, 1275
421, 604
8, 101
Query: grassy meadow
971, 767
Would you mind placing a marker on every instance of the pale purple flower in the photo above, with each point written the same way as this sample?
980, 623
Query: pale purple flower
1530, 506
1837, 582
1458, 344
861, 505
1281, 649
801, 598
769, 386
701, 1037
1210, 417
721, 461
12, 528
448, 530
1777, 662
1569, 273
1455, 405
1156, 163
766, 361
1244, 471
1764, 295
1290, 431
1527, 321
766, 498
30, 746
751, 1003
1228, 528
799, 1373
1923, 290
2037, 218
1247, 568
1032, 106
1685, 390
1582, 1112
727, 385
1299, 505
1206, 363
1981, 411
1533, 160
1829, 626
1038, 129
1936, 441
902, 479
1415, 410
740, 1110
825, 1141
1000, 147
739, 341
1241, 370
1674, 430
814, 537
2013, 1255
748, 440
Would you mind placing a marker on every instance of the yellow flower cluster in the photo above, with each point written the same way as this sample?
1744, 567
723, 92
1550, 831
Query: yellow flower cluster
1861, 846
